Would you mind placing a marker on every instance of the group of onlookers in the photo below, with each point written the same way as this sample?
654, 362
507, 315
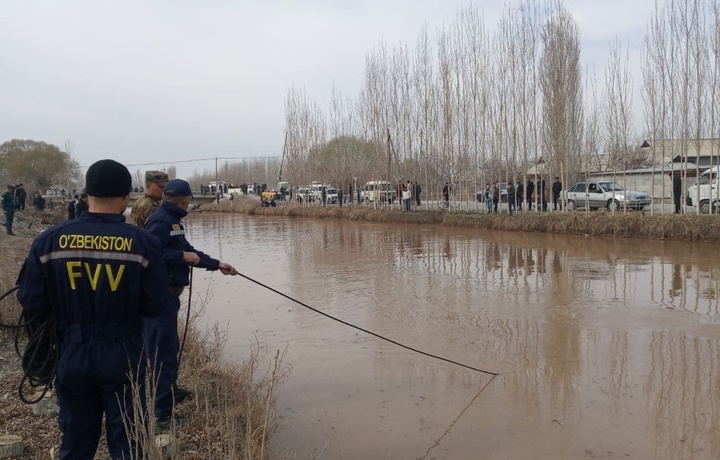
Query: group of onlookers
14, 199
518, 195
409, 193
77, 206
213, 189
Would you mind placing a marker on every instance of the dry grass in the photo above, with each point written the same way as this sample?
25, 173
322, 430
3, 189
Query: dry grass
629, 225
231, 415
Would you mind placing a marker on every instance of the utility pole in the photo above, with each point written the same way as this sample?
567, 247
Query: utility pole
217, 183
282, 159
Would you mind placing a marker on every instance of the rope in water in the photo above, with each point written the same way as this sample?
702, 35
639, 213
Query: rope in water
394, 342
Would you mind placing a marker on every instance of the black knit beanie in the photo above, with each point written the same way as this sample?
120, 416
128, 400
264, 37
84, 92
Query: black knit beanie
108, 178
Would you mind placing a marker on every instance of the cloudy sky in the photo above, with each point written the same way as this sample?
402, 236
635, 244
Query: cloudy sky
158, 80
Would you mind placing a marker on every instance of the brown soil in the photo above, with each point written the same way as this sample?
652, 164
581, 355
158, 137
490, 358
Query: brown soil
230, 415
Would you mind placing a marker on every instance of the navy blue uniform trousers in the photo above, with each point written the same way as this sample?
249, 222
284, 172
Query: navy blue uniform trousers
91, 379
163, 345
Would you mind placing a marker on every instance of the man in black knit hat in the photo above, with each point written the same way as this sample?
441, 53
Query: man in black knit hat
96, 278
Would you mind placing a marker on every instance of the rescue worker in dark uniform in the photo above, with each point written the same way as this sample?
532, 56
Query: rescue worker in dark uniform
161, 333
82, 205
96, 277
71, 207
8, 205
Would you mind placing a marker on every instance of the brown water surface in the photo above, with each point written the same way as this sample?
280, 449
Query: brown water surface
606, 348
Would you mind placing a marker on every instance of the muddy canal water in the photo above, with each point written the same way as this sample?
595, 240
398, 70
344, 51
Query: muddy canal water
605, 348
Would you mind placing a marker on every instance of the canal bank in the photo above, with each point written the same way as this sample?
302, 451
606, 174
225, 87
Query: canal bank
643, 225
230, 416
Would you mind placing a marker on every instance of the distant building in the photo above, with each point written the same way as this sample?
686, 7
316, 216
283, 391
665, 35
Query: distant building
703, 153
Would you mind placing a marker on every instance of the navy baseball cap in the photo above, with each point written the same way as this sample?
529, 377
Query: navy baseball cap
177, 187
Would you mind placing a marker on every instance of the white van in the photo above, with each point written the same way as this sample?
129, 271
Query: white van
707, 185
380, 191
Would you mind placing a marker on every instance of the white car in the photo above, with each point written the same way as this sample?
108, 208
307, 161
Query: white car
379, 191
705, 191
331, 195
604, 194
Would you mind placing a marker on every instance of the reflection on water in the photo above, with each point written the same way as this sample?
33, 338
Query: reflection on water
603, 345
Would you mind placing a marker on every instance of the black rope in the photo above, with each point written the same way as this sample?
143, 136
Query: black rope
39, 358
10, 326
366, 331
187, 320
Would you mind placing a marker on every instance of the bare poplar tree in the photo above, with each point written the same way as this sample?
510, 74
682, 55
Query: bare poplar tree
618, 113
560, 82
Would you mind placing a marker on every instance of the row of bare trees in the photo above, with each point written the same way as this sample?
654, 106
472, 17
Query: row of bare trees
681, 72
468, 105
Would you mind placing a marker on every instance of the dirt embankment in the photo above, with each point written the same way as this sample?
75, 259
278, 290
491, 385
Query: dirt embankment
230, 416
596, 223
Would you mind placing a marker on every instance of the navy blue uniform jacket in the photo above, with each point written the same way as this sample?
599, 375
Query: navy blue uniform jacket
95, 272
165, 225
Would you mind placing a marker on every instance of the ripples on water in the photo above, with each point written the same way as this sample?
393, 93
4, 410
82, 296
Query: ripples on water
605, 345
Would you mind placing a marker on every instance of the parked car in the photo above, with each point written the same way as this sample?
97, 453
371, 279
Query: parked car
380, 191
304, 195
704, 191
331, 195
604, 194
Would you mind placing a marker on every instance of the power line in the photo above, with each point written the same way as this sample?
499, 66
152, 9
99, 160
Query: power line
171, 162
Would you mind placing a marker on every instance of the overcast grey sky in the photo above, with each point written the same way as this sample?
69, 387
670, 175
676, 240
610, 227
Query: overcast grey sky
157, 81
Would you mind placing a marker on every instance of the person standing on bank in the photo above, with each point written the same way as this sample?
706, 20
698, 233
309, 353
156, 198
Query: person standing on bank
529, 191
495, 196
519, 193
407, 196
542, 198
97, 278
8, 205
161, 333
510, 196
71, 207
39, 202
20, 196
149, 203
556, 189
677, 191
488, 197
82, 205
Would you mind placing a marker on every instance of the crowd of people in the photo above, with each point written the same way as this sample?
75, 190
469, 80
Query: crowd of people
529, 195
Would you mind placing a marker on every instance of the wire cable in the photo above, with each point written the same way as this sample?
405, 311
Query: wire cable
424, 353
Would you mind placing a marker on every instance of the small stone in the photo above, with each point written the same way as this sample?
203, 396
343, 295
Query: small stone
166, 445
46, 407
11, 446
